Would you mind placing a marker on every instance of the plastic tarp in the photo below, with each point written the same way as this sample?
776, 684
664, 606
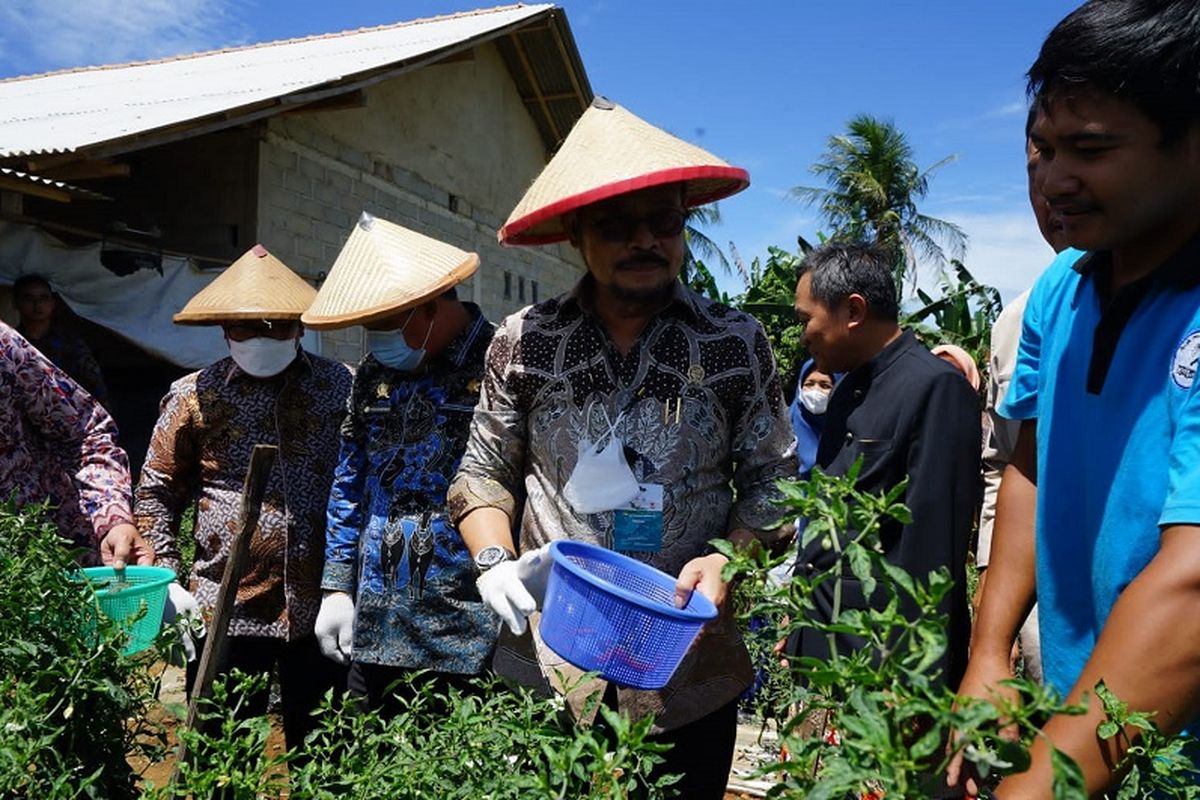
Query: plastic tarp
138, 306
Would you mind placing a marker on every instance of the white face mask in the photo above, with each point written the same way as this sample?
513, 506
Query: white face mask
815, 400
263, 356
602, 479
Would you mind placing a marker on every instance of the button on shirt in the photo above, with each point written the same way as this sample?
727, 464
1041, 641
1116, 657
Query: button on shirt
907, 414
701, 412
208, 425
58, 444
1112, 385
389, 541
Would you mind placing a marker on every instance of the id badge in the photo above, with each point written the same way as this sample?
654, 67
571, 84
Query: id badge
638, 524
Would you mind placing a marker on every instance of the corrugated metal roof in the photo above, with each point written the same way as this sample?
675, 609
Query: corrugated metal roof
59, 190
75, 109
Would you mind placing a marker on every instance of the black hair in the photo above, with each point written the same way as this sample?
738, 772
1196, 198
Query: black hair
1030, 118
840, 269
1144, 51
25, 281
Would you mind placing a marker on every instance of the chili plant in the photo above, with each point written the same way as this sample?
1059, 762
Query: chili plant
876, 721
72, 707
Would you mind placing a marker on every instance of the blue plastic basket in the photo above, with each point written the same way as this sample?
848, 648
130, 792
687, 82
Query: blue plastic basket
609, 613
144, 588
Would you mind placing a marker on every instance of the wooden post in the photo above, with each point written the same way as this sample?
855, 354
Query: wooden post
262, 458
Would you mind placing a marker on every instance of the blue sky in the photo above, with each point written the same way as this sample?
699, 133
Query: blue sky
762, 83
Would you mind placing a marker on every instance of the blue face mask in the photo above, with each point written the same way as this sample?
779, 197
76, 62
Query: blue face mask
391, 349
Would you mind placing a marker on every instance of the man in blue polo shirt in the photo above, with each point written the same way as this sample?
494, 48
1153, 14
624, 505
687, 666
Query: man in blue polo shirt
1105, 386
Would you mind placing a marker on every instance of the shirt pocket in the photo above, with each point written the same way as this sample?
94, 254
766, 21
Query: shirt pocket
876, 455
873, 448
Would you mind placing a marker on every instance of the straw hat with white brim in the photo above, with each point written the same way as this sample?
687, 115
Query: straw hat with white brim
258, 286
611, 152
385, 269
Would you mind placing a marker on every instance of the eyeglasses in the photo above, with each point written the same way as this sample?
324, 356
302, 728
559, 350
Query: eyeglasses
242, 331
620, 228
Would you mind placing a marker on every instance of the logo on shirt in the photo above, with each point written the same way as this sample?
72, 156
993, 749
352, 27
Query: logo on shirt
1183, 366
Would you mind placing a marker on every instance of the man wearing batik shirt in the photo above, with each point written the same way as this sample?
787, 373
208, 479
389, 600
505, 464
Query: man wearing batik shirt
685, 388
399, 583
269, 391
58, 444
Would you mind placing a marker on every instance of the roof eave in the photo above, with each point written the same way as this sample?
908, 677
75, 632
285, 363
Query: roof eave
233, 117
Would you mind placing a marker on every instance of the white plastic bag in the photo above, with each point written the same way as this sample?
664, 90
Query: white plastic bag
602, 479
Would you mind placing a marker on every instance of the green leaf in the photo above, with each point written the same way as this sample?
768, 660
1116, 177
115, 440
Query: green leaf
860, 567
1068, 777
1015, 754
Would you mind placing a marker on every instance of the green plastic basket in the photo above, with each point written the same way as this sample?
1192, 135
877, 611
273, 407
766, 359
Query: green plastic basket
144, 588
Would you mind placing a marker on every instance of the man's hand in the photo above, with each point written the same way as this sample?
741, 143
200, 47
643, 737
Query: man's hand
702, 574
122, 543
182, 607
334, 627
515, 589
981, 682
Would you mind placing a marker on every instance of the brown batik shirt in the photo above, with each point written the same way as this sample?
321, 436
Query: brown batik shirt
208, 424
701, 414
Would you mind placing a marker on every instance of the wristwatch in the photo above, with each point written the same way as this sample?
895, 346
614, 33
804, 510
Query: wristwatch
492, 555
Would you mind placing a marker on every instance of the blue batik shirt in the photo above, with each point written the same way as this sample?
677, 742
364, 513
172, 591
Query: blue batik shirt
389, 542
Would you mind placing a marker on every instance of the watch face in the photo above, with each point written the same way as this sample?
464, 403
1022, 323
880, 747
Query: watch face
490, 556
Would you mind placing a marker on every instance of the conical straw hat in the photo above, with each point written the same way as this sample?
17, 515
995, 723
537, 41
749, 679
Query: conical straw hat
256, 286
611, 152
384, 269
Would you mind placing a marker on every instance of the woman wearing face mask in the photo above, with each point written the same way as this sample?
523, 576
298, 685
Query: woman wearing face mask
808, 412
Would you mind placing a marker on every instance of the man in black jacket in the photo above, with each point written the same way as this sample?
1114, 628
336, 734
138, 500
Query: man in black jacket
906, 413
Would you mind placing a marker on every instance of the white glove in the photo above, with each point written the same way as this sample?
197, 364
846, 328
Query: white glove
183, 610
334, 628
515, 589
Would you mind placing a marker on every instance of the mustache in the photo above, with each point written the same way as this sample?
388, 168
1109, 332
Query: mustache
641, 259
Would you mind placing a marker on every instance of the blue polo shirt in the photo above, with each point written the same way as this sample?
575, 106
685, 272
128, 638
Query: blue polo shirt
1112, 384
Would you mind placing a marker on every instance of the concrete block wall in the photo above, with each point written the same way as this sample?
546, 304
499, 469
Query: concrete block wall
446, 150
309, 200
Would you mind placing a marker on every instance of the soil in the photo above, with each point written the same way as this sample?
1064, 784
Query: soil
172, 692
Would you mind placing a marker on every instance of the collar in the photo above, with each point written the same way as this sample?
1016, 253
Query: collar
884, 358
580, 299
1180, 271
460, 347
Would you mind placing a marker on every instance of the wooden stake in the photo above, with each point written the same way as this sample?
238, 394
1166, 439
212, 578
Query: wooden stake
262, 458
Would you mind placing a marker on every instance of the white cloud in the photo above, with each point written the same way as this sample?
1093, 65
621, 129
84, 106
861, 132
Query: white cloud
41, 35
1006, 249
1000, 114
1012, 109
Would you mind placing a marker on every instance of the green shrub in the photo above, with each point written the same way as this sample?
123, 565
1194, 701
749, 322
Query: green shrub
886, 723
72, 707
493, 742
74, 711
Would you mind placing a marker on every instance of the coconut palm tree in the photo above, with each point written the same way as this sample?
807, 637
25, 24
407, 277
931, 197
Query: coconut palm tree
873, 186
701, 246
